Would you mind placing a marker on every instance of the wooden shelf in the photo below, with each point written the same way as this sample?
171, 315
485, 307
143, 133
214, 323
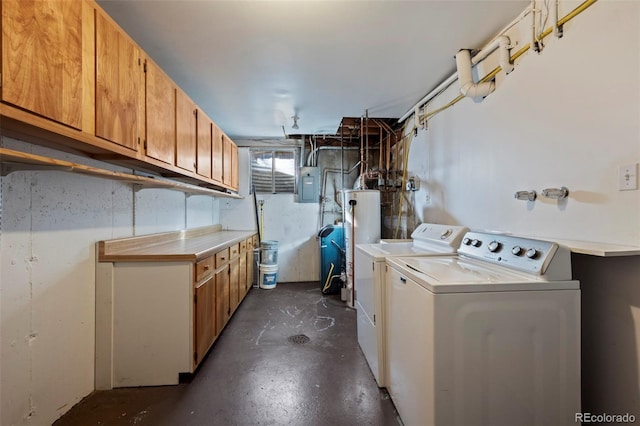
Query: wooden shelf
600, 249
13, 161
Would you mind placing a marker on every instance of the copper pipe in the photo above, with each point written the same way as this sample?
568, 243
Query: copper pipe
380, 156
367, 168
361, 151
388, 155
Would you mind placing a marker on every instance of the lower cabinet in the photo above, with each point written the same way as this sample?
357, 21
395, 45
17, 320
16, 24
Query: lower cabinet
222, 298
242, 280
234, 275
205, 318
157, 319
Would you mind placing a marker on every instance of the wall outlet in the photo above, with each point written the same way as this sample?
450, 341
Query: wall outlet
628, 177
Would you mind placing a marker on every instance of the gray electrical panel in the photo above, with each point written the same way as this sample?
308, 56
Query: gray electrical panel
309, 185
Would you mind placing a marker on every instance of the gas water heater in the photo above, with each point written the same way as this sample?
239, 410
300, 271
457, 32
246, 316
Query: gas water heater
362, 225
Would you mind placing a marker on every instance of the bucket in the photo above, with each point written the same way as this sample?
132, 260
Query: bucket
268, 276
269, 252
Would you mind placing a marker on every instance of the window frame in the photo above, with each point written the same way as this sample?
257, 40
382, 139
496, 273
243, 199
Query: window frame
274, 152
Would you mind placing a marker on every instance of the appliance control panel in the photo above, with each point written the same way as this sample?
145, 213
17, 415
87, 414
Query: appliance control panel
523, 254
438, 232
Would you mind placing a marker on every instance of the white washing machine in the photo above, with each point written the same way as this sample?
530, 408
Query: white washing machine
489, 337
428, 239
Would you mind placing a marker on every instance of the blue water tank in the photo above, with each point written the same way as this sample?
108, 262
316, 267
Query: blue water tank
331, 257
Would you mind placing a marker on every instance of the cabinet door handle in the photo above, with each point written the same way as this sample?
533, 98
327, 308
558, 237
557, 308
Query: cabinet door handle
403, 279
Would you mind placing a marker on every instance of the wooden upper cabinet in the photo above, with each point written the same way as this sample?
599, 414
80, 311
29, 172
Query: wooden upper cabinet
234, 166
203, 138
217, 153
185, 132
42, 58
119, 87
227, 148
160, 142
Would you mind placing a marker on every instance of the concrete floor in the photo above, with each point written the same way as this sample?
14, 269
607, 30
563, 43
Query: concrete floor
255, 375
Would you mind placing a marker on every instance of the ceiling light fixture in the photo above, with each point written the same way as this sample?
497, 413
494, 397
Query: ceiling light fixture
295, 122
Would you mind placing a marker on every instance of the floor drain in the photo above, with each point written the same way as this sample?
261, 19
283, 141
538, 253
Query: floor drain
299, 339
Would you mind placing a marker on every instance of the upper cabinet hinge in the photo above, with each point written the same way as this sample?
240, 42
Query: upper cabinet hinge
144, 67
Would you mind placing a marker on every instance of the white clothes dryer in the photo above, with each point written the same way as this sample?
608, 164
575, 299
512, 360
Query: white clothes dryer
428, 239
489, 337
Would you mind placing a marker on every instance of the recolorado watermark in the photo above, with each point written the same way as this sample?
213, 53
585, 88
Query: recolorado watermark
604, 418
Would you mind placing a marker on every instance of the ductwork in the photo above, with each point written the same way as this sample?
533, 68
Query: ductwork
464, 66
467, 86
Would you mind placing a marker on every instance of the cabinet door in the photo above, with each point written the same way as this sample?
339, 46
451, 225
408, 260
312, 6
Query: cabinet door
234, 282
242, 273
250, 266
222, 298
226, 160
203, 138
118, 85
217, 153
161, 108
234, 166
185, 132
205, 317
42, 58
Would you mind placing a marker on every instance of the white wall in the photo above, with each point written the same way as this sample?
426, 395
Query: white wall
294, 225
50, 222
567, 117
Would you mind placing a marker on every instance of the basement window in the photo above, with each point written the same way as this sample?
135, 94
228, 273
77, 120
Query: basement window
274, 170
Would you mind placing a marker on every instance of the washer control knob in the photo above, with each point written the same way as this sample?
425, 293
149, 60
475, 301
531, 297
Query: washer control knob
476, 243
446, 234
532, 253
494, 246
466, 241
517, 250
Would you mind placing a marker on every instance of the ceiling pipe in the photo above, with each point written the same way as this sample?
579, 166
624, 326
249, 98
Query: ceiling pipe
465, 78
476, 59
464, 66
317, 150
504, 44
557, 29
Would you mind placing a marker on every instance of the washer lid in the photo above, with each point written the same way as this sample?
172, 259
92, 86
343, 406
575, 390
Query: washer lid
383, 250
460, 275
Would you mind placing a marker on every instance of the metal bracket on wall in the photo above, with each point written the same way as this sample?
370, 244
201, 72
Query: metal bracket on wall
526, 195
556, 193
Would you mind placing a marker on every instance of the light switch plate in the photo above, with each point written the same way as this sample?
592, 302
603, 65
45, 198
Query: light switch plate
628, 177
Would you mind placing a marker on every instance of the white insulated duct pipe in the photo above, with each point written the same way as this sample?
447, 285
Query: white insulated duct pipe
504, 44
464, 64
501, 41
465, 78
